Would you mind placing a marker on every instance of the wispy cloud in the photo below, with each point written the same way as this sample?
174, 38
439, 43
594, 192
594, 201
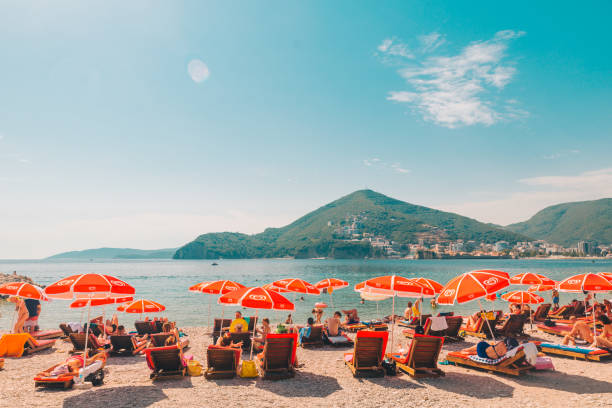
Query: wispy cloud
537, 193
394, 47
559, 155
453, 91
198, 70
376, 162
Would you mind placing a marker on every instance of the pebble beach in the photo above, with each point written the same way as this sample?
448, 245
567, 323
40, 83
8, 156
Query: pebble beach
322, 380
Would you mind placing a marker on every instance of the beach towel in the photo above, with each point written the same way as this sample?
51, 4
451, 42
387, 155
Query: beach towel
304, 332
12, 345
575, 349
75, 326
438, 323
509, 354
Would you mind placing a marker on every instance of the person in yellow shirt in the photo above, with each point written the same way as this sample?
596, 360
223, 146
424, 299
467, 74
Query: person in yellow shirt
416, 308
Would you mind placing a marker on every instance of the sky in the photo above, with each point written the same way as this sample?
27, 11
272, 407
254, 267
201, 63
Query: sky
144, 124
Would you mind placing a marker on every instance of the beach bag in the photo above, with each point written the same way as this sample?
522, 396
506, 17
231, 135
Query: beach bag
248, 369
389, 367
194, 368
419, 330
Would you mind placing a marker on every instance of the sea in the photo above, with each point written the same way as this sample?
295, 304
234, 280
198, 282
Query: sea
167, 282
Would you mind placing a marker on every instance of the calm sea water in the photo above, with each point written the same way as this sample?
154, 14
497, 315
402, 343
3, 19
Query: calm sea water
167, 282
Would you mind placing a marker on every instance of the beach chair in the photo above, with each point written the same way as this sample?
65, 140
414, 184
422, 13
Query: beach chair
315, 339
414, 321
410, 333
422, 357
337, 341
541, 312
512, 327
144, 328
165, 362
122, 346
584, 353
556, 330
66, 329
244, 337
367, 356
159, 339
222, 362
579, 310
481, 328
454, 326
46, 334
78, 342
564, 312
20, 344
218, 323
277, 361
93, 373
512, 365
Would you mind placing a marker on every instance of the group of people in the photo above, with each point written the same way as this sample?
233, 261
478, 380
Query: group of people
582, 329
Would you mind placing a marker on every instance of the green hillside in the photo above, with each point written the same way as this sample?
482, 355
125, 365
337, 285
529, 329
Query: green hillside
316, 233
117, 253
566, 224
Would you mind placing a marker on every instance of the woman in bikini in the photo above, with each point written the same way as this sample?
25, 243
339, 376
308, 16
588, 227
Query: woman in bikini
604, 340
493, 351
71, 365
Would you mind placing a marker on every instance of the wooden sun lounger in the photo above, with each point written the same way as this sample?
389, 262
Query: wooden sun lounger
557, 330
367, 356
222, 362
144, 328
66, 329
516, 365
244, 337
218, 323
159, 340
46, 334
122, 346
481, 330
278, 357
454, 326
67, 380
415, 321
512, 327
422, 358
165, 362
78, 342
563, 312
541, 312
315, 339
575, 352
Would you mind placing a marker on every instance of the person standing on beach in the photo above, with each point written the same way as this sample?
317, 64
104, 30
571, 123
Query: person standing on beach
555, 299
34, 308
22, 313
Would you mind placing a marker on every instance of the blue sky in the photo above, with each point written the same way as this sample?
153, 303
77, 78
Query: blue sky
107, 138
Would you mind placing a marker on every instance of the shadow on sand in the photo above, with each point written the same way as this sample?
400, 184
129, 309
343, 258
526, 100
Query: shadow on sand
136, 397
557, 380
304, 384
477, 386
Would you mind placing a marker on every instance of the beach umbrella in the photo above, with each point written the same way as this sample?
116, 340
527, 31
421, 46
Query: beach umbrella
586, 282
522, 297
297, 285
256, 298
529, 278
331, 284
89, 286
607, 275
141, 306
270, 286
541, 288
320, 305
474, 285
219, 287
23, 290
396, 286
371, 297
435, 286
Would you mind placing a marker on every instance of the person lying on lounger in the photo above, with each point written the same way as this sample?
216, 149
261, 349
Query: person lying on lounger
582, 330
226, 341
484, 349
71, 365
604, 340
351, 316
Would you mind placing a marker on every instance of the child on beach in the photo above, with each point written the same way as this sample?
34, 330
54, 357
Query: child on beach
555, 299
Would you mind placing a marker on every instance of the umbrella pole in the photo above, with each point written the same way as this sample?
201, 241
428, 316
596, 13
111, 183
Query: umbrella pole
81, 379
104, 320
392, 322
594, 322
208, 320
486, 320
254, 329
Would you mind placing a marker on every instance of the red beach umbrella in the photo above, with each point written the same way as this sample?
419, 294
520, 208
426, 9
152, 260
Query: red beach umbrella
331, 284
270, 286
90, 286
473, 285
529, 278
589, 282
99, 302
435, 286
220, 287
257, 298
522, 297
24, 290
141, 306
297, 285
541, 288
607, 275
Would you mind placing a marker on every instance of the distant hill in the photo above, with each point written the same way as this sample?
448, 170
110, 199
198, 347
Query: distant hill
566, 224
117, 253
316, 233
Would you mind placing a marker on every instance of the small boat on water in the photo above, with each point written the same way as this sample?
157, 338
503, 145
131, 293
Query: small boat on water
214, 264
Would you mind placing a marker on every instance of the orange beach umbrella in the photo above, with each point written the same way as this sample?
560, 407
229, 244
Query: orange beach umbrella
541, 288
522, 297
530, 278
331, 284
297, 285
24, 290
141, 306
257, 298
435, 286
270, 286
607, 275
219, 287
99, 302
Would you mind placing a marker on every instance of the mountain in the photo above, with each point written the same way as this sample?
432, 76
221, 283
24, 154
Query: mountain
566, 224
117, 253
322, 233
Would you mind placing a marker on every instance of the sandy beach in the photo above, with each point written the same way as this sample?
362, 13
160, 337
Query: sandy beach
321, 380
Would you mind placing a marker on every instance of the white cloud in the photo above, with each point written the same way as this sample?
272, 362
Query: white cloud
371, 162
542, 192
558, 155
431, 41
453, 91
394, 47
198, 70
397, 167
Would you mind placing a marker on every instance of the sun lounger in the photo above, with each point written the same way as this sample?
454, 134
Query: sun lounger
122, 346
277, 361
244, 337
541, 312
159, 340
218, 323
93, 373
367, 356
19, 344
514, 365
355, 327
585, 353
415, 321
563, 312
454, 326
66, 329
222, 362
315, 339
481, 328
165, 362
557, 329
422, 357
410, 333
78, 342
46, 334
144, 328
339, 340
512, 327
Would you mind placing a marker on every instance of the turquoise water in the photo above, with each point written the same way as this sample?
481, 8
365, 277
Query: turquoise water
167, 282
